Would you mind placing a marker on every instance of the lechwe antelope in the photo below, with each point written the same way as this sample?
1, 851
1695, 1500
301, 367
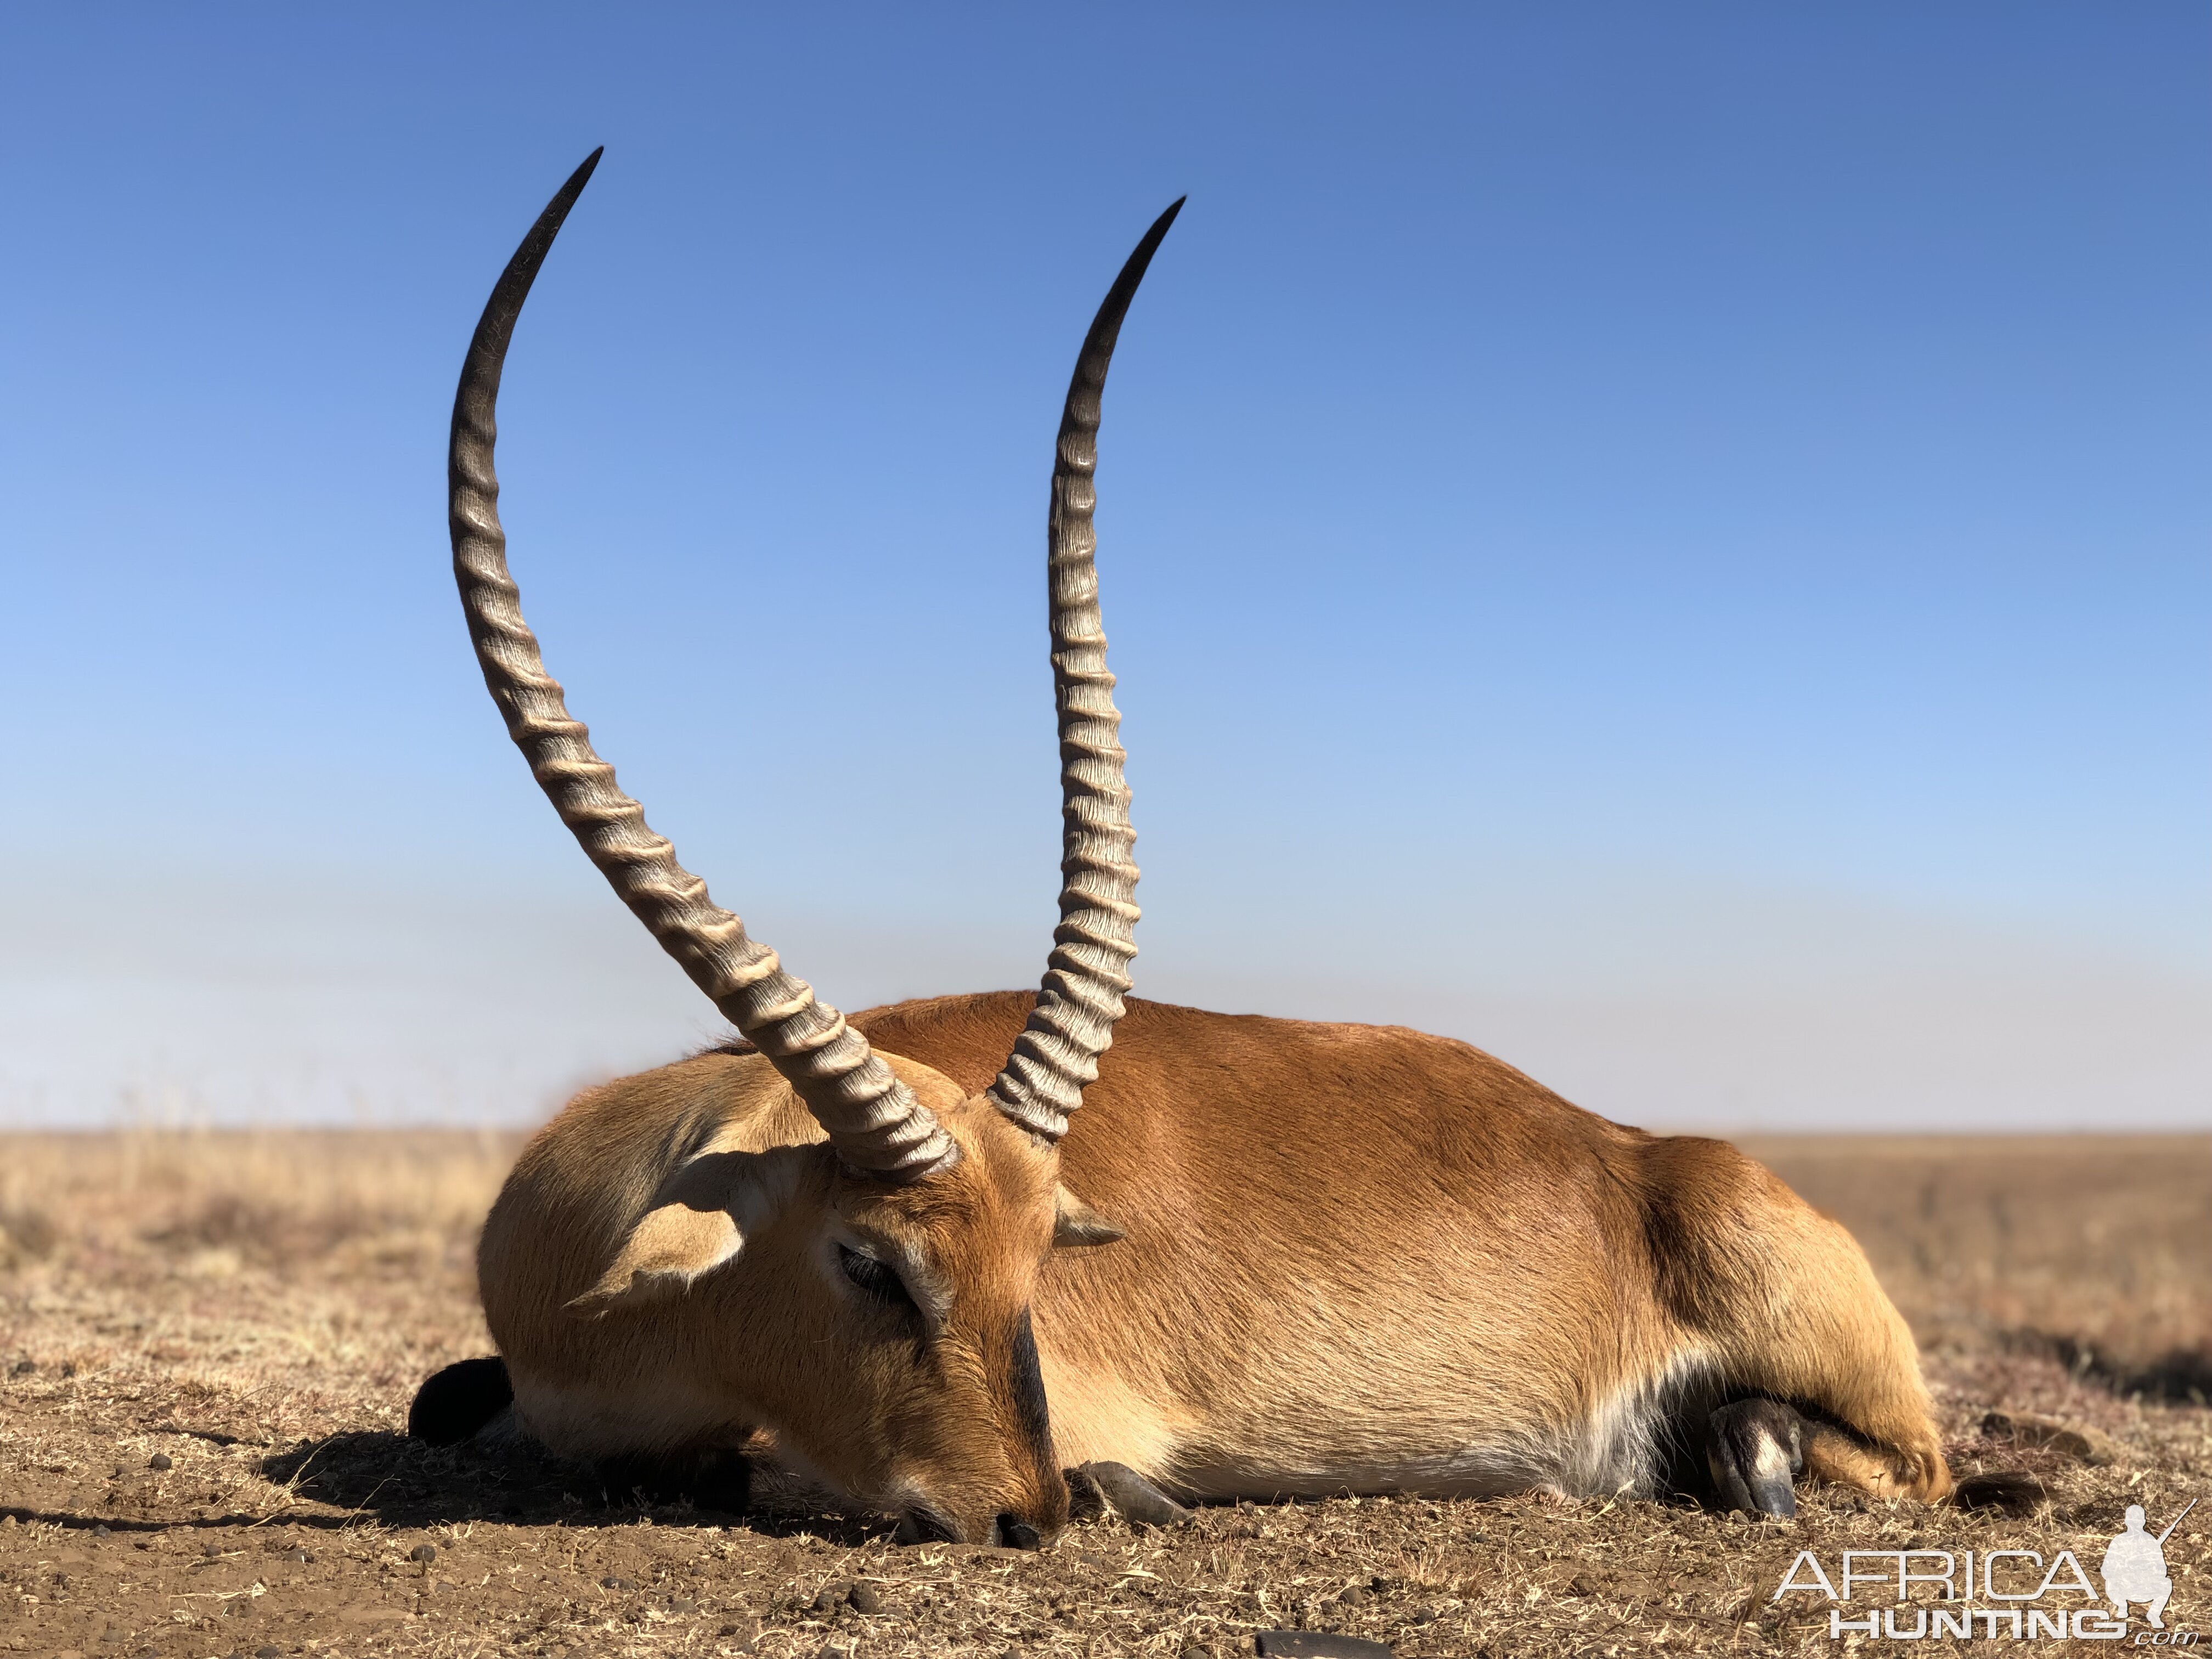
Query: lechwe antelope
1277, 1258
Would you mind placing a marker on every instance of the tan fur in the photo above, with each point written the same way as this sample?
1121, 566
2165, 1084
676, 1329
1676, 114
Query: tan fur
1356, 1258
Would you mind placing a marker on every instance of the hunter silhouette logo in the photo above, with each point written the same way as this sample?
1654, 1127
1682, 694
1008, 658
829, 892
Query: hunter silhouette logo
2134, 1566
2011, 1594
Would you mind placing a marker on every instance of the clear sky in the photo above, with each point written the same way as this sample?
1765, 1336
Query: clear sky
1668, 541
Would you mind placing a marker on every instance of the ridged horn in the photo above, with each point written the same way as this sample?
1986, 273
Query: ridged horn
1088, 972
874, 1121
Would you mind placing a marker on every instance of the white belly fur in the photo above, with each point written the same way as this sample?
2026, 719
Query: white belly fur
1618, 1450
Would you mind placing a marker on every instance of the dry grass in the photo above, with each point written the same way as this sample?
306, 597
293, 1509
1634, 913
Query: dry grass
256, 1309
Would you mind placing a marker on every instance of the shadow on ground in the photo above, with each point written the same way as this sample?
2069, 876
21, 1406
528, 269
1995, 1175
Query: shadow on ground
403, 1482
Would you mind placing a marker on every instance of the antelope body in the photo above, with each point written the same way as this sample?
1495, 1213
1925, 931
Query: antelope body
1275, 1257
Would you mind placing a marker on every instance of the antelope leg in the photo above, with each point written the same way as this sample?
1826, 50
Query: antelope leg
712, 1477
1134, 1498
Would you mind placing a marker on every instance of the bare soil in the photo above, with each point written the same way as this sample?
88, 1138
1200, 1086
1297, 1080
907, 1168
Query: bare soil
208, 1344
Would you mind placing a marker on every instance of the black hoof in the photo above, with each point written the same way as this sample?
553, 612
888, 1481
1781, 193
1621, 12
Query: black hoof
1136, 1499
1755, 1450
459, 1400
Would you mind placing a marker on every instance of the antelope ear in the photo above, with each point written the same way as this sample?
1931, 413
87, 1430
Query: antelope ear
697, 1221
665, 1252
1078, 1226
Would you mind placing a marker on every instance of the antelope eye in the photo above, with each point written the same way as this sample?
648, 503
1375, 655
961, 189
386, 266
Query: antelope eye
872, 1276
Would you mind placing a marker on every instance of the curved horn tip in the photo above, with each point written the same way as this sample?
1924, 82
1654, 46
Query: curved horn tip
1153, 237
557, 211
565, 197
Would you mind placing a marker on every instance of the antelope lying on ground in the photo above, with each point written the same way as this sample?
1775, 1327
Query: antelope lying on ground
1277, 1258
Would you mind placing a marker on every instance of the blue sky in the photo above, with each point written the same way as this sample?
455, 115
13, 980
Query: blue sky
1669, 542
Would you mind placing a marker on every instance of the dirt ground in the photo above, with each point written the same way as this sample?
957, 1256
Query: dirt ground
208, 1344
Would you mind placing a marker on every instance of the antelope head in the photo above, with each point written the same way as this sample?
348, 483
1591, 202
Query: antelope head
864, 1278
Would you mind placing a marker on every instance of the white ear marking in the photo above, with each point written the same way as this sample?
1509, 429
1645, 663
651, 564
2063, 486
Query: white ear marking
668, 1249
697, 1221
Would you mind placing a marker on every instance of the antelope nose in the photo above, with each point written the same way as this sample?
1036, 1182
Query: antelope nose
1016, 1533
